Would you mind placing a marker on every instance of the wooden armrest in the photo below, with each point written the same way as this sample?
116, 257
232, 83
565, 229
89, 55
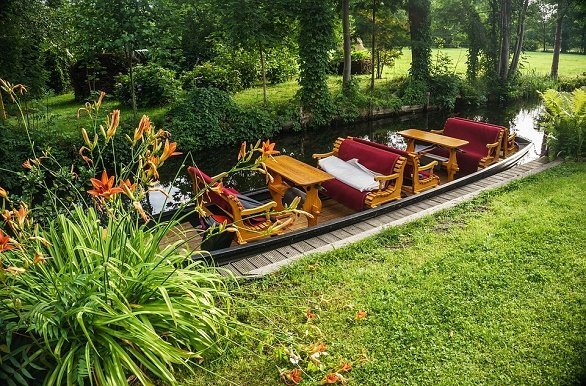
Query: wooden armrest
512, 137
382, 179
322, 155
437, 131
386, 178
492, 145
259, 209
430, 165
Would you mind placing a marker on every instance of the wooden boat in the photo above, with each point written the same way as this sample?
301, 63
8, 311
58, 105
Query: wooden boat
334, 215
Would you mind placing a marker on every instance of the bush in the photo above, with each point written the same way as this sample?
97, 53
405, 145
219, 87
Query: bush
212, 75
564, 121
208, 117
281, 65
413, 92
531, 45
445, 89
570, 84
154, 86
529, 85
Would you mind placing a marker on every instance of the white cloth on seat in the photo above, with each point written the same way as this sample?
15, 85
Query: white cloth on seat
349, 174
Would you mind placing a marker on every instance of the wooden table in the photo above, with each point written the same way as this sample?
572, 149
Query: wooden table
285, 171
444, 141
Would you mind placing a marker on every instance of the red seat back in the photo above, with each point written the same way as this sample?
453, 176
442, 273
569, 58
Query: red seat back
372, 157
218, 198
478, 134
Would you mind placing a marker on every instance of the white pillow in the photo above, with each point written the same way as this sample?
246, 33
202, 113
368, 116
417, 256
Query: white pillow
349, 174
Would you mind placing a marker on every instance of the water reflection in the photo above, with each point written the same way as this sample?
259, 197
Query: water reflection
519, 117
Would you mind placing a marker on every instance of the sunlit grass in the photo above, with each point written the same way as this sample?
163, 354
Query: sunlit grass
492, 292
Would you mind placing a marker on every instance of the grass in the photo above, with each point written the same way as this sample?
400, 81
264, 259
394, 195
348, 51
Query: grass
60, 111
571, 65
491, 292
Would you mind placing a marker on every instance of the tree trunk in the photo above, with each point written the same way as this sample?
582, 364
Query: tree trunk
131, 75
420, 30
264, 73
373, 45
503, 66
520, 36
544, 34
558, 41
347, 73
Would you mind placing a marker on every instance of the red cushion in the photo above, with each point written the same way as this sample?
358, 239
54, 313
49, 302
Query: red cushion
478, 134
344, 194
373, 158
408, 168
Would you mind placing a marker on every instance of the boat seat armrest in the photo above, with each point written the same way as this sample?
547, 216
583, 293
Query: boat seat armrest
259, 209
323, 155
430, 165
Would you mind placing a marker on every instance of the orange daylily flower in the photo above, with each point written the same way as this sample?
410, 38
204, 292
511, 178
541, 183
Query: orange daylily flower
144, 126
113, 121
242, 150
318, 347
138, 206
27, 164
104, 187
39, 258
169, 150
345, 367
5, 242
333, 378
21, 214
360, 315
268, 148
3, 193
292, 377
151, 167
127, 187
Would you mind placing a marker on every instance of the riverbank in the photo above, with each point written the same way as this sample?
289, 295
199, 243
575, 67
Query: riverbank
491, 292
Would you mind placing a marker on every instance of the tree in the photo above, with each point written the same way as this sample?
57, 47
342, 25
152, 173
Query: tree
98, 28
420, 29
562, 9
520, 37
347, 72
257, 25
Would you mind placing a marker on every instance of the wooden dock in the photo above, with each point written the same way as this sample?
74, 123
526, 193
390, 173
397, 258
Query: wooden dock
268, 262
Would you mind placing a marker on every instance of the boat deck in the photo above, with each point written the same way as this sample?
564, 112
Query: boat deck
270, 261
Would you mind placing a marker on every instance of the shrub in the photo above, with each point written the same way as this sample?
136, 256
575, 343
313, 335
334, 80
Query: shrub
529, 85
212, 75
281, 65
570, 84
154, 86
208, 117
445, 89
531, 44
564, 121
413, 92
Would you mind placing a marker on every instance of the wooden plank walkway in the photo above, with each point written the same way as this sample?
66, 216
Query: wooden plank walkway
271, 261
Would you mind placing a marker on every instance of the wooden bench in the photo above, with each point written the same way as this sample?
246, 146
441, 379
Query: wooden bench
416, 178
249, 219
484, 143
508, 145
389, 165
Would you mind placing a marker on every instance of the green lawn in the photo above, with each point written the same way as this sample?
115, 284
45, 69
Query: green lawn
492, 292
571, 65
60, 112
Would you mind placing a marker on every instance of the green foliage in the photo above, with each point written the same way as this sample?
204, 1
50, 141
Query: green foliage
566, 83
109, 302
154, 86
315, 42
564, 121
244, 62
208, 117
444, 84
529, 85
212, 75
413, 92
420, 21
281, 65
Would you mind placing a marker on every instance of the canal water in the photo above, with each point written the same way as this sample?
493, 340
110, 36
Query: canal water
520, 117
